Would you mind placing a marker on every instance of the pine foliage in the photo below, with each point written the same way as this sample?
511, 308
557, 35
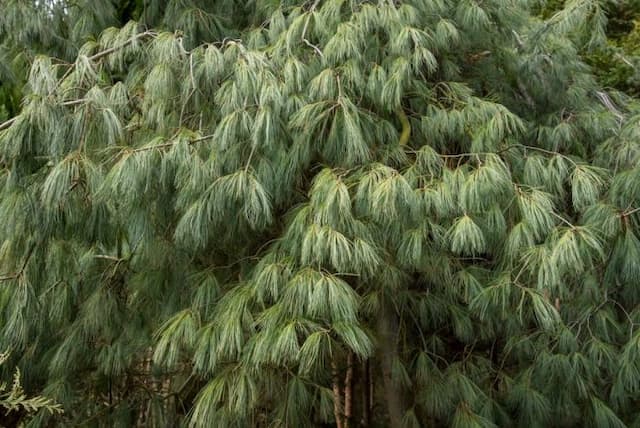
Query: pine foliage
14, 399
297, 213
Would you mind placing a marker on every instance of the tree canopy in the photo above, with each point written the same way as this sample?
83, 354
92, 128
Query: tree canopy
315, 213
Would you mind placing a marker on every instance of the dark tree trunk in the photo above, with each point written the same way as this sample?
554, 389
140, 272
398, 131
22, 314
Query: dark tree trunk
388, 350
366, 394
348, 392
337, 395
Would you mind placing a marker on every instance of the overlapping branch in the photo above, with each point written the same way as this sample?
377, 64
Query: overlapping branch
94, 57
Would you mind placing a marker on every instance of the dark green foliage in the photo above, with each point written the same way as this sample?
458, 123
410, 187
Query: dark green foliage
615, 62
212, 215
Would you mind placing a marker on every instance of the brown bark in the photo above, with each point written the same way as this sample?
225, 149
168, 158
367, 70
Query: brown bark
388, 333
371, 387
168, 399
144, 367
366, 393
348, 392
337, 396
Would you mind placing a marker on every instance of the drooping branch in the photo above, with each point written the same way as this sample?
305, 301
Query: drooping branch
94, 57
20, 271
109, 51
170, 144
303, 37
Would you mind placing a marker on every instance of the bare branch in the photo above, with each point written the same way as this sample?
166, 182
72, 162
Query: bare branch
169, 144
306, 25
8, 123
109, 51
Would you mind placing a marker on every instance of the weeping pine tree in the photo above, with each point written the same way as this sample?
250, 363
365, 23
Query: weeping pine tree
317, 213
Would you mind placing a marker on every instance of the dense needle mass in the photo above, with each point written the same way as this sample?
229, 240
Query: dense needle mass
317, 213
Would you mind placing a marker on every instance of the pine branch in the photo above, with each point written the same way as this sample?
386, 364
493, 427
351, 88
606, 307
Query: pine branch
73, 102
8, 123
562, 219
20, 272
169, 144
303, 36
191, 91
105, 257
525, 93
109, 51
406, 127
631, 212
94, 57
506, 149
606, 101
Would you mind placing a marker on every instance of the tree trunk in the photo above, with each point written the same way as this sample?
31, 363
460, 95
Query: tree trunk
388, 333
337, 396
348, 392
366, 394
